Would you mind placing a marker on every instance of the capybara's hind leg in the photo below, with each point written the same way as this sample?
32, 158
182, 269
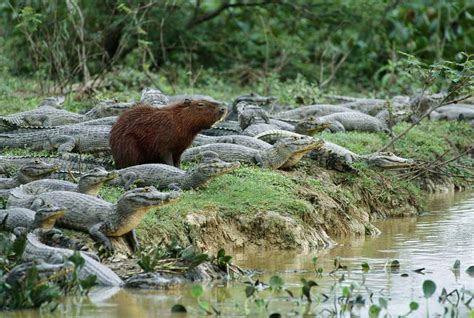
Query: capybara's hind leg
130, 156
168, 158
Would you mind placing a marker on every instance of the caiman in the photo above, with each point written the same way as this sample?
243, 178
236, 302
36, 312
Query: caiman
79, 138
19, 277
311, 110
43, 116
335, 157
154, 97
165, 176
108, 108
242, 140
100, 218
284, 154
74, 163
35, 249
45, 217
28, 172
348, 121
89, 183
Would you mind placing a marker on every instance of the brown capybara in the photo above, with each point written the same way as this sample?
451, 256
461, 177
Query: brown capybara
146, 134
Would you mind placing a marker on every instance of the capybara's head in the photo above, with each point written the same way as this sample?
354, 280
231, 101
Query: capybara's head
202, 113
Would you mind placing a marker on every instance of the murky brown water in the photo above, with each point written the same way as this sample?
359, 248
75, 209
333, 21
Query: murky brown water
432, 241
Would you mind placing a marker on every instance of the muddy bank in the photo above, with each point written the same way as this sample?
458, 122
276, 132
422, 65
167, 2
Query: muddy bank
330, 205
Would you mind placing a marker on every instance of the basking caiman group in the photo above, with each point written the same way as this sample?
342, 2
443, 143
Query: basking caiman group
61, 190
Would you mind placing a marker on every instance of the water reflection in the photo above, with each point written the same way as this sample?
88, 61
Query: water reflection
432, 241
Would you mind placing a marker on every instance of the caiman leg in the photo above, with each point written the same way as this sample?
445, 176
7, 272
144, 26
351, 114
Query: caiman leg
63, 143
132, 241
129, 179
99, 236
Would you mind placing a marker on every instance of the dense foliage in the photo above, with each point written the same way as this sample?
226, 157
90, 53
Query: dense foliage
343, 42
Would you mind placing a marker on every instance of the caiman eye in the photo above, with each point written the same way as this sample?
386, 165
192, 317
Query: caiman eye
200, 104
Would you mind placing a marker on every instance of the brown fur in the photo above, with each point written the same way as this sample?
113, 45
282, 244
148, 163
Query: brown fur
146, 134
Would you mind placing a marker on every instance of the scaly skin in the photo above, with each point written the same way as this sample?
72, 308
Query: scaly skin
28, 172
223, 128
332, 156
75, 163
44, 116
246, 141
19, 275
89, 183
284, 154
311, 110
35, 249
154, 97
108, 108
44, 218
354, 121
164, 176
78, 137
99, 218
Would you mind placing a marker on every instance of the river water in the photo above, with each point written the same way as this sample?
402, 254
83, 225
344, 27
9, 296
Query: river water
432, 241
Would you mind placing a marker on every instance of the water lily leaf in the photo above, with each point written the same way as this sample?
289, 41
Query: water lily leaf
197, 291
429, 288
414, 306
178, 308
365, 267
374, 311
276, 282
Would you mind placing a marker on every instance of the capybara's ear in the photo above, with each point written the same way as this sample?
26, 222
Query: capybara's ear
187, 102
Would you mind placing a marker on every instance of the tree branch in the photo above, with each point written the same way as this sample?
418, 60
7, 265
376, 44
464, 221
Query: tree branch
198, 19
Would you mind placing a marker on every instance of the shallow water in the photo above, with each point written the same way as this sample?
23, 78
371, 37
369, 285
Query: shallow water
432, 241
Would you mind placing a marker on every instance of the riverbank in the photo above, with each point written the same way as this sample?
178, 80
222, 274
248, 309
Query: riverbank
310, 207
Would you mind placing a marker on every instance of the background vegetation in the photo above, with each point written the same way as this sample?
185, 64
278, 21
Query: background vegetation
229, 44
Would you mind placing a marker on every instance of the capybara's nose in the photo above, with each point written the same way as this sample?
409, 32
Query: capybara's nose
223, 109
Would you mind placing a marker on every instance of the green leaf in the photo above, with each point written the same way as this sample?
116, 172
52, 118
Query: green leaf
178, 308
260, 303
429, 288
89, 282
197, 291
221, 253
414, 306
346, 292
249, 291
276, 282
365, 267
204, 305
374, 311
77, 259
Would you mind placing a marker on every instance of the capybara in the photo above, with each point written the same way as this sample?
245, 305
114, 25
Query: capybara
146, 134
